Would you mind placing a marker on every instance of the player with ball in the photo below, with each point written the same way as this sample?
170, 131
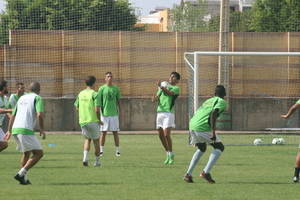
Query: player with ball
166, 95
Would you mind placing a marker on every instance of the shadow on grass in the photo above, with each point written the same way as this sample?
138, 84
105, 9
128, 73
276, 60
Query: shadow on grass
84, 184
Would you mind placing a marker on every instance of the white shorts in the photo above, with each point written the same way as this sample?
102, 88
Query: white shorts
202, 137
165, 120
27, 143
110, 123
91, 130
2, 135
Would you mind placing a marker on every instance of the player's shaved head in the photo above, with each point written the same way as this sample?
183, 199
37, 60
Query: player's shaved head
220, 91
35, 87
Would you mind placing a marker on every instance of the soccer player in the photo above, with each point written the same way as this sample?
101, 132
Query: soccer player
89, 112
109, 96
297, 163
21, 126
165, 119
13, 99
3, 111
202, 132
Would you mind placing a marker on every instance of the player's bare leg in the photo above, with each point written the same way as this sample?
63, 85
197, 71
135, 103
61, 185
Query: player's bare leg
162, 138
102, 142
297, 168
167, 134
3, 145
86, 149
164, 143
24, 159
27, 163
36, 156
117, 142
97, 152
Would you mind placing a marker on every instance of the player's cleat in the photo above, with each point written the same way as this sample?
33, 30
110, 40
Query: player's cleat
207, 177
97, 164
171, 160
296, 179
85, 163
118, 153
167, 160
101, 153
22, 180
188, 178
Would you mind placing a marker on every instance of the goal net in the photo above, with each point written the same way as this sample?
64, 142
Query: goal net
260, 86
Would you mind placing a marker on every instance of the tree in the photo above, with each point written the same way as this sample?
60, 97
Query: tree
275, 16
238, 22
189, 17
106, 15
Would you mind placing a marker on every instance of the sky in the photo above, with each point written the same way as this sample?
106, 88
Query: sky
145, 5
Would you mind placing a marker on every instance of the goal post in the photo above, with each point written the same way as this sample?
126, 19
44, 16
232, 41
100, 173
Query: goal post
195, 66
261, 86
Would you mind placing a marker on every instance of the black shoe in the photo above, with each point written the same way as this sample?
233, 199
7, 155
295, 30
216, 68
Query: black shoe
188, 178
207, 177
86, 164
22, 180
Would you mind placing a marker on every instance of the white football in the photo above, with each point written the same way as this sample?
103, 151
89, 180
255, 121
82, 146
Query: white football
257, 141
275, 141
164, 84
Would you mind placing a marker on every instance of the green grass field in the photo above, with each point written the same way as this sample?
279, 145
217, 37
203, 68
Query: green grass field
243, 172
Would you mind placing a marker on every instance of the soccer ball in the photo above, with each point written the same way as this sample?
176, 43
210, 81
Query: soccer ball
257, 141
275, 141
281, 140
278, 141
164, 84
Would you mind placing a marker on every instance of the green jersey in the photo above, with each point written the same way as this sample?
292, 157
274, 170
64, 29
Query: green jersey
109, 97
86, 102
3, 104
298, 102
166, 103
13, 99
201, 119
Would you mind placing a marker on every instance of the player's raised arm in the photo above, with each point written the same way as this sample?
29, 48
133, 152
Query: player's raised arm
291, 111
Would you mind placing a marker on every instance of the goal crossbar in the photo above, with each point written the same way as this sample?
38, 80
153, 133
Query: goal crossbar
195, 66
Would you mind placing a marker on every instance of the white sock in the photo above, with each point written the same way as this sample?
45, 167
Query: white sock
117, 149
214, 156
22, 172
85, 155
101, 148
171, 153
196, 157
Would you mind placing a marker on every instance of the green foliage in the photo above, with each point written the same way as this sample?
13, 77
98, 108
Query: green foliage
105, 15
275, 16
238, 22
189, 17
265, 16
